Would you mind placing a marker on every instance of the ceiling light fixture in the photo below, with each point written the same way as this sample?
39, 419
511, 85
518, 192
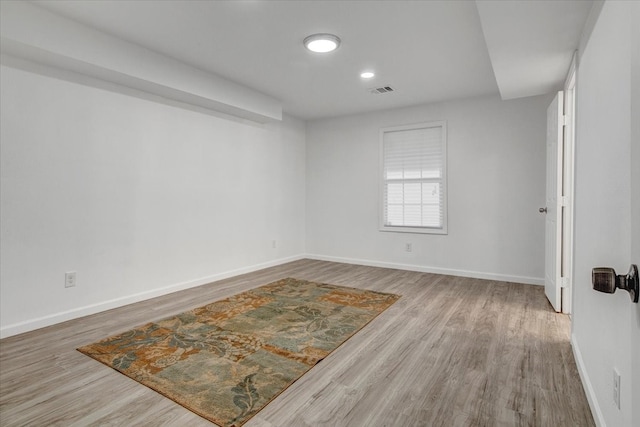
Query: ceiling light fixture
367, 75
322, 43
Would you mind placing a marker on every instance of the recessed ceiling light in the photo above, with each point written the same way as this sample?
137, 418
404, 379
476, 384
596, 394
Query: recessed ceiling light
367, 75
322, 43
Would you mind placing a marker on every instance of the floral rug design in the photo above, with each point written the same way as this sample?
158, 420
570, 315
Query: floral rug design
227, 360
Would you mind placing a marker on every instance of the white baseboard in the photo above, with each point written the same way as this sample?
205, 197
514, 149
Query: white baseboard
52, 319
586, 383
435, 270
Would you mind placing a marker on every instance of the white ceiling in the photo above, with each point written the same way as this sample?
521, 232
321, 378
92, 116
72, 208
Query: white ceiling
428, 51
542, 36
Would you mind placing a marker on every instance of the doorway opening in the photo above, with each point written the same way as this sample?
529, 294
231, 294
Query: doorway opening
559, 196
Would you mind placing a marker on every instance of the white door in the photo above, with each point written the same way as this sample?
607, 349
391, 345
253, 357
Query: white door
553, 221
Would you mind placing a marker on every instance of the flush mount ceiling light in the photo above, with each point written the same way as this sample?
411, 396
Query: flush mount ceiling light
367, 75
322, 43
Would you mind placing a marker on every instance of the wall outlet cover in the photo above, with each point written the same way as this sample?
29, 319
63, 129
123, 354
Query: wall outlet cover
69, 279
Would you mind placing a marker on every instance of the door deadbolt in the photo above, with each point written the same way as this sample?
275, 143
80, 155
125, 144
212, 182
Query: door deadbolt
605, 280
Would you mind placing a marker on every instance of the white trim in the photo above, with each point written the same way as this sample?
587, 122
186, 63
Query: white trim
568, 185
445, 189
436, 270
422, 230
586, 384
569, 81
52, 319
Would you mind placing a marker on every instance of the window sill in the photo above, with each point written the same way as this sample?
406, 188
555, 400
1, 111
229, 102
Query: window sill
416, 230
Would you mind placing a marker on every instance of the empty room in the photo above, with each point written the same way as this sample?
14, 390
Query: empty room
319, 213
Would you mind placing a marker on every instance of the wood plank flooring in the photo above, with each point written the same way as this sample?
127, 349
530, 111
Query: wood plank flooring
451, 352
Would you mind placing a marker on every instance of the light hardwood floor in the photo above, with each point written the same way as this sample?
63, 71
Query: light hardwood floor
451, 352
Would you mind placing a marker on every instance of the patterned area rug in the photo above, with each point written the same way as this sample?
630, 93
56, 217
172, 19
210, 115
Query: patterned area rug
226, 360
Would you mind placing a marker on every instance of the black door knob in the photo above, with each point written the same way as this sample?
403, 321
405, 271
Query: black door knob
606, 280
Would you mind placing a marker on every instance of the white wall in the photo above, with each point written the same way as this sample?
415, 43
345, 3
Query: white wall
604, 328
634, 161
496, 180
138, 197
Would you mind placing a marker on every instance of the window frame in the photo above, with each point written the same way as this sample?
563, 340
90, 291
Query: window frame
445, 190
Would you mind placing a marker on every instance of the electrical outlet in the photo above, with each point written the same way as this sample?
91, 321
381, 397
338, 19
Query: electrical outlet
616, 387
69, 279
408, 247
274, 244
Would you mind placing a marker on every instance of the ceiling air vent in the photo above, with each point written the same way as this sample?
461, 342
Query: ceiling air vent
378, 90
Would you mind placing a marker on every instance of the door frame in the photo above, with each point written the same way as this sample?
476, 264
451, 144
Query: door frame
568, 178
553, 281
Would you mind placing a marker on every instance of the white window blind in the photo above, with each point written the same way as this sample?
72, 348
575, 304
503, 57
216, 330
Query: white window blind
414, 178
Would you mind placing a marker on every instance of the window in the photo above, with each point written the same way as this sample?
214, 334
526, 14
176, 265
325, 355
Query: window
414, 195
